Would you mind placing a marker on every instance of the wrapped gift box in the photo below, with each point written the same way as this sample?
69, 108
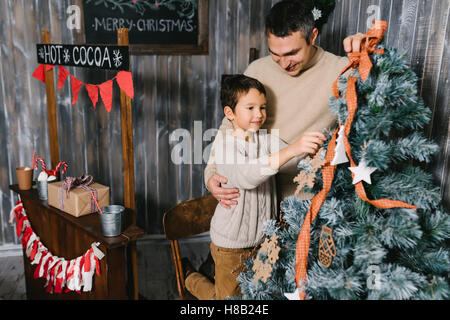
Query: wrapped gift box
79, 201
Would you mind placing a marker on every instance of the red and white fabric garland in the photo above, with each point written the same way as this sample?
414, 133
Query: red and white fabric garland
75, 275
124, 80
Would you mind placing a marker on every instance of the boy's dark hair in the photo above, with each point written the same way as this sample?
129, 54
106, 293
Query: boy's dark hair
233, 86
289, 16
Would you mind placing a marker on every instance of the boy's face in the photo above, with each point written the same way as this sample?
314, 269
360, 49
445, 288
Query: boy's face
250, 111
292, 53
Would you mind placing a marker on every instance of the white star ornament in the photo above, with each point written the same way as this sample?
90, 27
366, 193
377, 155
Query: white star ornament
362, 172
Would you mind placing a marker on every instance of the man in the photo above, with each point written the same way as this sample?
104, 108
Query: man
298, 76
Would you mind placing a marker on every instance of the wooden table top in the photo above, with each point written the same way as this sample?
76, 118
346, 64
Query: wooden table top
90, 223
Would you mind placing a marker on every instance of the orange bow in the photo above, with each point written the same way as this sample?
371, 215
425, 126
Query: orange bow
360, 60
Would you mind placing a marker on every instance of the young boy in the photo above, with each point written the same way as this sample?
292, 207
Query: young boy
249, 158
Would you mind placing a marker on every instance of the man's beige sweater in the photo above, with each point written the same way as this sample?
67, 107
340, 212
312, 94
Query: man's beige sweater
295, 105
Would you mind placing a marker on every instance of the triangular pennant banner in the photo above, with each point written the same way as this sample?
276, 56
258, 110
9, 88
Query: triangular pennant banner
92, 90
106, 94
76, 85
39, 73
125, 82
63, 74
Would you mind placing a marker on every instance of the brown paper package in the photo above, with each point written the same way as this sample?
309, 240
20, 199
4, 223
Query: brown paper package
79, 201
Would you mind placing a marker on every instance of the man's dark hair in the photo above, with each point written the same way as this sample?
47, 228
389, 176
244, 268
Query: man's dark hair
289, 16
233, 86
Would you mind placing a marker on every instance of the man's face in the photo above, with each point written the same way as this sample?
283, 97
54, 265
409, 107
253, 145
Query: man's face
292, 52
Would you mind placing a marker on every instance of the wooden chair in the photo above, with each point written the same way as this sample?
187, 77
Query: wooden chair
185, 220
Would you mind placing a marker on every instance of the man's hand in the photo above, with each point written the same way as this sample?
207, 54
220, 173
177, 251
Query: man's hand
353, 43
223, 195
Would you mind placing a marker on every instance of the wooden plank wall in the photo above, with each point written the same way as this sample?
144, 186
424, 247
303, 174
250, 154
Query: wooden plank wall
174, 92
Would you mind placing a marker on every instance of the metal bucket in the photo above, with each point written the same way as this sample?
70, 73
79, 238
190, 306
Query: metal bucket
112, 220
42, 187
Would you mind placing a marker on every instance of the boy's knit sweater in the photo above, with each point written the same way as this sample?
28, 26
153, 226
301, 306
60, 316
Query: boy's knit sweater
246, 166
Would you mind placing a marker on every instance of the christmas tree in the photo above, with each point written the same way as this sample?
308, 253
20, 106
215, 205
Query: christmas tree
380, 231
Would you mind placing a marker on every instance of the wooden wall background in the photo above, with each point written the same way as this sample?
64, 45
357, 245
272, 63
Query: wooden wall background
172, 92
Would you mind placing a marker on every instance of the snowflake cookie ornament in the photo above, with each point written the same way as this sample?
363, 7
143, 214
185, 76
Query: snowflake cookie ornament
263, 270
307, 177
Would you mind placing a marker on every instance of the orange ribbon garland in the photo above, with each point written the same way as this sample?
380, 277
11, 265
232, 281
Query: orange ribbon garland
360, 60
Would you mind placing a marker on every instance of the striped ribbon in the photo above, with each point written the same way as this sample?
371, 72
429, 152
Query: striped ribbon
360, 60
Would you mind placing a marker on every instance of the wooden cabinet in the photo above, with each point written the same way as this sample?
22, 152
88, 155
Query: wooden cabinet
69, 237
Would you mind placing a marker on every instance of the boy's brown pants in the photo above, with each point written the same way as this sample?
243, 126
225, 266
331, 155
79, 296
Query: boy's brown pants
229, 263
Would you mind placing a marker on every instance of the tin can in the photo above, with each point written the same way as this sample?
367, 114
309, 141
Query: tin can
112, 220
42, 187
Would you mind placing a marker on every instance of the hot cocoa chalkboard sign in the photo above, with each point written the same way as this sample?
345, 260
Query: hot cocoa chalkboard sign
89, 56
154, 26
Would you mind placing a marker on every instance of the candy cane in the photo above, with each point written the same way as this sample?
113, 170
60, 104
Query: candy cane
42, 163
59, 165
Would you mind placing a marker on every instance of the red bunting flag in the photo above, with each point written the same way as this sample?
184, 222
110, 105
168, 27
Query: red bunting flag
76, 85
39, 73
63, 74
125, 82
92, 90
106, 94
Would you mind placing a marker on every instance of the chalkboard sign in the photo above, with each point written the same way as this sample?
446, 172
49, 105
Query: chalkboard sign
90, 56
154, 26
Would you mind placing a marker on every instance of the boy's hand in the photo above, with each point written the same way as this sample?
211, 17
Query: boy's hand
223, 195
309, 142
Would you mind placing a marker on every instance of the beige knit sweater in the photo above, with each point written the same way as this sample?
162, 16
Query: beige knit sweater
295, 105
246, 166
